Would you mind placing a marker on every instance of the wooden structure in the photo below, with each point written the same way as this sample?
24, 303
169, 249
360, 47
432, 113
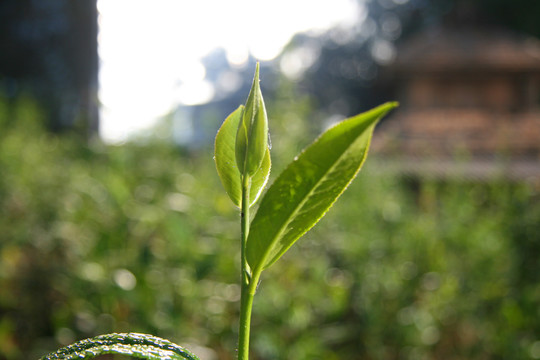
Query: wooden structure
470, 106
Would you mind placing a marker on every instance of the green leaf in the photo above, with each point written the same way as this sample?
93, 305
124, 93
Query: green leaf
252, 135
140, 346
224, 156
307, 188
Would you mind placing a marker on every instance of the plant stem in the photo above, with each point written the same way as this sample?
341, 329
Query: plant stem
247, 293
246, 304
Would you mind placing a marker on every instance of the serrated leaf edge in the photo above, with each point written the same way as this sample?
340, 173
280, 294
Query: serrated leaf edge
264, 263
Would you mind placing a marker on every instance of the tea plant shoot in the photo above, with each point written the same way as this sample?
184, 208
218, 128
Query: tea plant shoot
298, 198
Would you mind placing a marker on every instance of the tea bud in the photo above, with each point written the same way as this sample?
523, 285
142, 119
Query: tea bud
252, 135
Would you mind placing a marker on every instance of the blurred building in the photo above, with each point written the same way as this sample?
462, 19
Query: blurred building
470, 105
48, 53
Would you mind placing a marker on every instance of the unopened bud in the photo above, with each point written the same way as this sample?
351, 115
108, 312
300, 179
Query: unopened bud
252, 135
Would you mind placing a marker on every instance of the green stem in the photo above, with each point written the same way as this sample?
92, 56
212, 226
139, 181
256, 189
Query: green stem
247, 290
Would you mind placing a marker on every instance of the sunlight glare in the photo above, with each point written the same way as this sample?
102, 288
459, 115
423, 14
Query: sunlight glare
151, 52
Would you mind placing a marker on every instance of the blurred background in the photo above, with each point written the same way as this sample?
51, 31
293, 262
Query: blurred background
113, 218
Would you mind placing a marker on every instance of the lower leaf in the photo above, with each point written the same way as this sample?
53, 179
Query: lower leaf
141, 346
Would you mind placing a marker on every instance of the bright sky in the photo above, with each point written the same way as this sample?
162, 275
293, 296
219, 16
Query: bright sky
150, 51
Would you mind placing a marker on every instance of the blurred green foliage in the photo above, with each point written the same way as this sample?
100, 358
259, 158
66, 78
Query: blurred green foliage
141, 237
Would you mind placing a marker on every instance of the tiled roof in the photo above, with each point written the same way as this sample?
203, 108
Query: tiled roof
444, 49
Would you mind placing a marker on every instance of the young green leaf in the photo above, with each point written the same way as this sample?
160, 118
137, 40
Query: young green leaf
307, 188
224, 156
252, 135
135, 345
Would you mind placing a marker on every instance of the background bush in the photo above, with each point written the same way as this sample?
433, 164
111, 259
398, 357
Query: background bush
141, 237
